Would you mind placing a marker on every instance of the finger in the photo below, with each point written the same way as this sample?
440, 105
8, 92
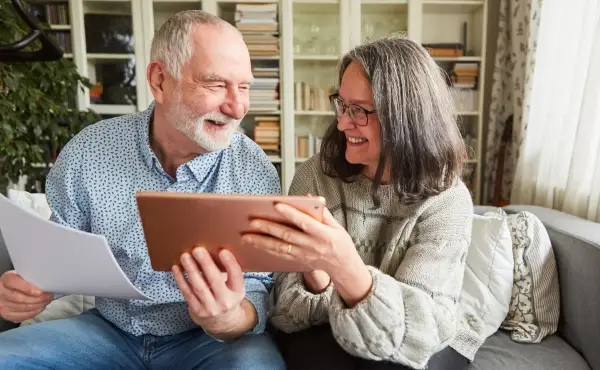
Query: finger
193, 302
283, 232
14, 281
198, 283
19, 317
303, 221
24, 307
211, 273
18, 297
235, 281
273, 246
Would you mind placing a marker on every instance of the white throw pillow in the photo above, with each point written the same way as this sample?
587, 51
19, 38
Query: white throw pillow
488, 279
65, 306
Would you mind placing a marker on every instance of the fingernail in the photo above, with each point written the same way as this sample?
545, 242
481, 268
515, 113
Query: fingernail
199, 253
247, 239
185, 257
279, 207
255, 224
225, 255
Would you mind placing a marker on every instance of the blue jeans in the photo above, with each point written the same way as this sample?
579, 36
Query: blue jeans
88, 341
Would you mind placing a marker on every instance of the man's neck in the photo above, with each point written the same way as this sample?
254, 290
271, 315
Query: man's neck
170, 146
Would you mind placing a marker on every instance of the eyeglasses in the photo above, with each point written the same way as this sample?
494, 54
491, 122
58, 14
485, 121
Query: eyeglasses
358, 114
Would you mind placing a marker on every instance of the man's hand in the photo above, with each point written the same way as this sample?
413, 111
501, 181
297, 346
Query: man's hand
215, 300
20, 300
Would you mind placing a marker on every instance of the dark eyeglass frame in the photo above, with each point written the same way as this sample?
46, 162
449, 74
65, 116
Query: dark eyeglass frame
335, 100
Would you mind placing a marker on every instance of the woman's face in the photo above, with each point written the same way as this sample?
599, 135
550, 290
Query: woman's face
363, 138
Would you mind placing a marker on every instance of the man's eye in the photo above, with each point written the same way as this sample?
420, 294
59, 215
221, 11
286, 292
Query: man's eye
244, 88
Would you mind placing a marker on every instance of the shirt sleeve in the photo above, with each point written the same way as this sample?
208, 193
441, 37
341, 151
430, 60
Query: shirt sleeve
408, 317
65, 188
295, 307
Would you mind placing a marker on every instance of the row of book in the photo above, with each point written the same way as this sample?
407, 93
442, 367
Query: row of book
63, 39
445, 49
267, 134
464, 75
311, 98
259, 26
264, 94
307, 145
53, 13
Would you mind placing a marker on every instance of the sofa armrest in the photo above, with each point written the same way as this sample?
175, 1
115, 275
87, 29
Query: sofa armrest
576, 245
5, 265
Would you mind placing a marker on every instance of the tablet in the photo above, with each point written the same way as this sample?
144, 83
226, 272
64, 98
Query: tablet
174, 223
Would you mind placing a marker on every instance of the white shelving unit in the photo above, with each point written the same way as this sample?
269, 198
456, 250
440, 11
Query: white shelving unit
313, 34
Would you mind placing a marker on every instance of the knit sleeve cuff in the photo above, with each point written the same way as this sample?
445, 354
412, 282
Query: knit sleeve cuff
297, 308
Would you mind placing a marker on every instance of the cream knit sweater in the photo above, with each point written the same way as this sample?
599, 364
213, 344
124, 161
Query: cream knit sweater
416, 255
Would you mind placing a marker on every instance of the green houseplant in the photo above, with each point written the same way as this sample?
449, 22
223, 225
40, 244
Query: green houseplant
38, 114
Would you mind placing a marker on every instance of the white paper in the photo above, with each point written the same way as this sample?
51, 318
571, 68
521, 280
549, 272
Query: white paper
62, 260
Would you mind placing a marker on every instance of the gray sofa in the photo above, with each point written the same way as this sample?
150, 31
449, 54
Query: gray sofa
576, 346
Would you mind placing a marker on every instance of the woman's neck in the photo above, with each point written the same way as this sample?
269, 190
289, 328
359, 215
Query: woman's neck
370, 171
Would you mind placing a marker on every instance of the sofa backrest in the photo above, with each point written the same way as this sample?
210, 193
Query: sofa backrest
576, 246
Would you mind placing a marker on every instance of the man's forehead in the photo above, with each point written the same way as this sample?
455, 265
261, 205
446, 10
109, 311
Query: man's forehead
219, 54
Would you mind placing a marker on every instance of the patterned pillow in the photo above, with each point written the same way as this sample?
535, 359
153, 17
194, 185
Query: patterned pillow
535, 303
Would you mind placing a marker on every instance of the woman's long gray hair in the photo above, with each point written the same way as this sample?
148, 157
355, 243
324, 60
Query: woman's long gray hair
419, 131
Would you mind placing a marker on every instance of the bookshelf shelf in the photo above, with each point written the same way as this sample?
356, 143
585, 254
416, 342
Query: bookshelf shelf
452, 6
458, 59
111, 109
313, 113
317, 58
60, 27
294, 57
106, 56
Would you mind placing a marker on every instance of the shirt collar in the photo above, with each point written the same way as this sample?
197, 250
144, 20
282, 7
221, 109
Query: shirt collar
143, 128
200, 166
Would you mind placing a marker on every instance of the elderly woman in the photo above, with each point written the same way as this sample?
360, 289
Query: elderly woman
386, 264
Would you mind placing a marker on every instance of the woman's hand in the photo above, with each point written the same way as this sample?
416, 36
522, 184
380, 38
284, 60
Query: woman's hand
314, 245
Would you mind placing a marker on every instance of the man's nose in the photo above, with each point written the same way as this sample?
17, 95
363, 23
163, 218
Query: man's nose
235, 106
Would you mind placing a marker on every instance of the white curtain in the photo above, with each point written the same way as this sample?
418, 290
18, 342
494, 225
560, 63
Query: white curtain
559, 158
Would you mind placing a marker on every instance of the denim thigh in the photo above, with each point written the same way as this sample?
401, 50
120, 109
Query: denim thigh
86, 341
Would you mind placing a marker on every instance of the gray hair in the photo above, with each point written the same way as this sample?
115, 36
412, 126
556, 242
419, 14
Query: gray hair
419, 130
171, 43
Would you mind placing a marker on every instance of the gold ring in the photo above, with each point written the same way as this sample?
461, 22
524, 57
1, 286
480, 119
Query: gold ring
289, 249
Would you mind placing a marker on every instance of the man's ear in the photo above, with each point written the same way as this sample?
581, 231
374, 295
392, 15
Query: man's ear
156, 75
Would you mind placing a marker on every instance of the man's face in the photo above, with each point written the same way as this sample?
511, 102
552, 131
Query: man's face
211, 98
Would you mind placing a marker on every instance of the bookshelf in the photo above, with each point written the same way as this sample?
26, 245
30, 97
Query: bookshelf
295, 46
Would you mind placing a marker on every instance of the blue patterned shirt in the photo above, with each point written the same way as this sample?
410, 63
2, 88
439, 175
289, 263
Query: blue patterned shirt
92, 187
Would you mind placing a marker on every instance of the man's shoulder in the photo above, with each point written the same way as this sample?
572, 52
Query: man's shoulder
243, 148
105, 133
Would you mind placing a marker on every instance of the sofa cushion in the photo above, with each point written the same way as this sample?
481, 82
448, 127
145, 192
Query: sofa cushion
535, 305
499, 352
576, 244
487, 285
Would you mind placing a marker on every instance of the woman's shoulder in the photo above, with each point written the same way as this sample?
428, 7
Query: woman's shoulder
310, 176
457, 195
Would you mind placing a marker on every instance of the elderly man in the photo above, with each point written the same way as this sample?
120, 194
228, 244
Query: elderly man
187, 141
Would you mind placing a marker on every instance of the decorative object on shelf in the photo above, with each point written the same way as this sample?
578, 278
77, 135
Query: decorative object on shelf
21, 50
37, 114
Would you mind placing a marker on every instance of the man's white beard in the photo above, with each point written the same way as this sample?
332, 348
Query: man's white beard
201, 132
